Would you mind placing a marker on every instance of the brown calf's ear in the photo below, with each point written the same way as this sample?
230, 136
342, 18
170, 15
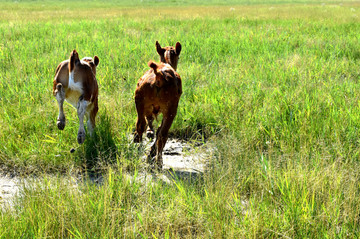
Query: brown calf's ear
178, 48
159, 49
153, 65
96, 60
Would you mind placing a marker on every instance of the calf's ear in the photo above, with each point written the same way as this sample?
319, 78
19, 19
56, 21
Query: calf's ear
159, 49
153, 65
96, 60
178, 48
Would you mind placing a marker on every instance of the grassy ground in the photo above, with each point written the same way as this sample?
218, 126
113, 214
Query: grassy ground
274, 87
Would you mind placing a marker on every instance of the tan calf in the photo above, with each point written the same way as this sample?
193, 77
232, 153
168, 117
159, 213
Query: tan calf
158, 91
76, 83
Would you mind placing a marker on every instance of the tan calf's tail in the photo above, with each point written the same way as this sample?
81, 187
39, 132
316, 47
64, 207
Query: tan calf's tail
74, 58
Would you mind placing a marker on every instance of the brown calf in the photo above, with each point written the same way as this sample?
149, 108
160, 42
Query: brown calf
75, 82
158, 91
169, 55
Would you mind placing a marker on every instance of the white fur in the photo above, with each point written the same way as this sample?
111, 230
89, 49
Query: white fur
87, 58
81, 110
168, 67
167, 55
76, 90
60, 97
75, 86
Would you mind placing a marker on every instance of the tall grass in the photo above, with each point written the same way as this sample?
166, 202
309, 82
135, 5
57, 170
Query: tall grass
273, 87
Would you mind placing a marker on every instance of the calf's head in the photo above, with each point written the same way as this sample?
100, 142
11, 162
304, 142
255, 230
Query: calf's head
74, 60
93, 62
169, 54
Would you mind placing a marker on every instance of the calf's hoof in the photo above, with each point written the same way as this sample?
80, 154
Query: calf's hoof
150, 160
60, 124
152, 153
137, 138
155, 162
81, 137
150, 134
159, 164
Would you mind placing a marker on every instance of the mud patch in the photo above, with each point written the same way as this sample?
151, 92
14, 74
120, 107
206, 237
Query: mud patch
184, 156
181, 159
9, 187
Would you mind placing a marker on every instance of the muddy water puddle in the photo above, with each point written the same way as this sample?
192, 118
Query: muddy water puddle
181, 159
183, 156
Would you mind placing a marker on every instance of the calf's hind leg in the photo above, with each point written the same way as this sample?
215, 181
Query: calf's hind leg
141, 122
161, 138
60, 97
81, 110
150, 129
91, 118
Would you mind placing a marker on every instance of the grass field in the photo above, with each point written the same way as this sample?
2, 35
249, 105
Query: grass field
273, 87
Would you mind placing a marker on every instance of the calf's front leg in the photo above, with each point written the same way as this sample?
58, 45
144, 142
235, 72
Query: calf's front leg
60, 97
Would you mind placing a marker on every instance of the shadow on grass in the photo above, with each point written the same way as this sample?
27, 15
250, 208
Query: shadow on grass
170, 178
197, 130
103, 150
99, 149
185, 176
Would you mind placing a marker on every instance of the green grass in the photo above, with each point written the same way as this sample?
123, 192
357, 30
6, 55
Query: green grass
273, 87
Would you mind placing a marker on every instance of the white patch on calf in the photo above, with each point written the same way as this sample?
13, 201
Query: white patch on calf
75, 86
168, 67
60, 97
82, 105
76, 90
88, 111
167, 56
87, 58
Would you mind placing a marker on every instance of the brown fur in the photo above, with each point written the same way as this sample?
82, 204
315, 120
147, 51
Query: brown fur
84, 88
169, 54
158, 91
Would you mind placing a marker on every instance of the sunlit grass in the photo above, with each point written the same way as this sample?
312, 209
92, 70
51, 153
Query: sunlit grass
273, 87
